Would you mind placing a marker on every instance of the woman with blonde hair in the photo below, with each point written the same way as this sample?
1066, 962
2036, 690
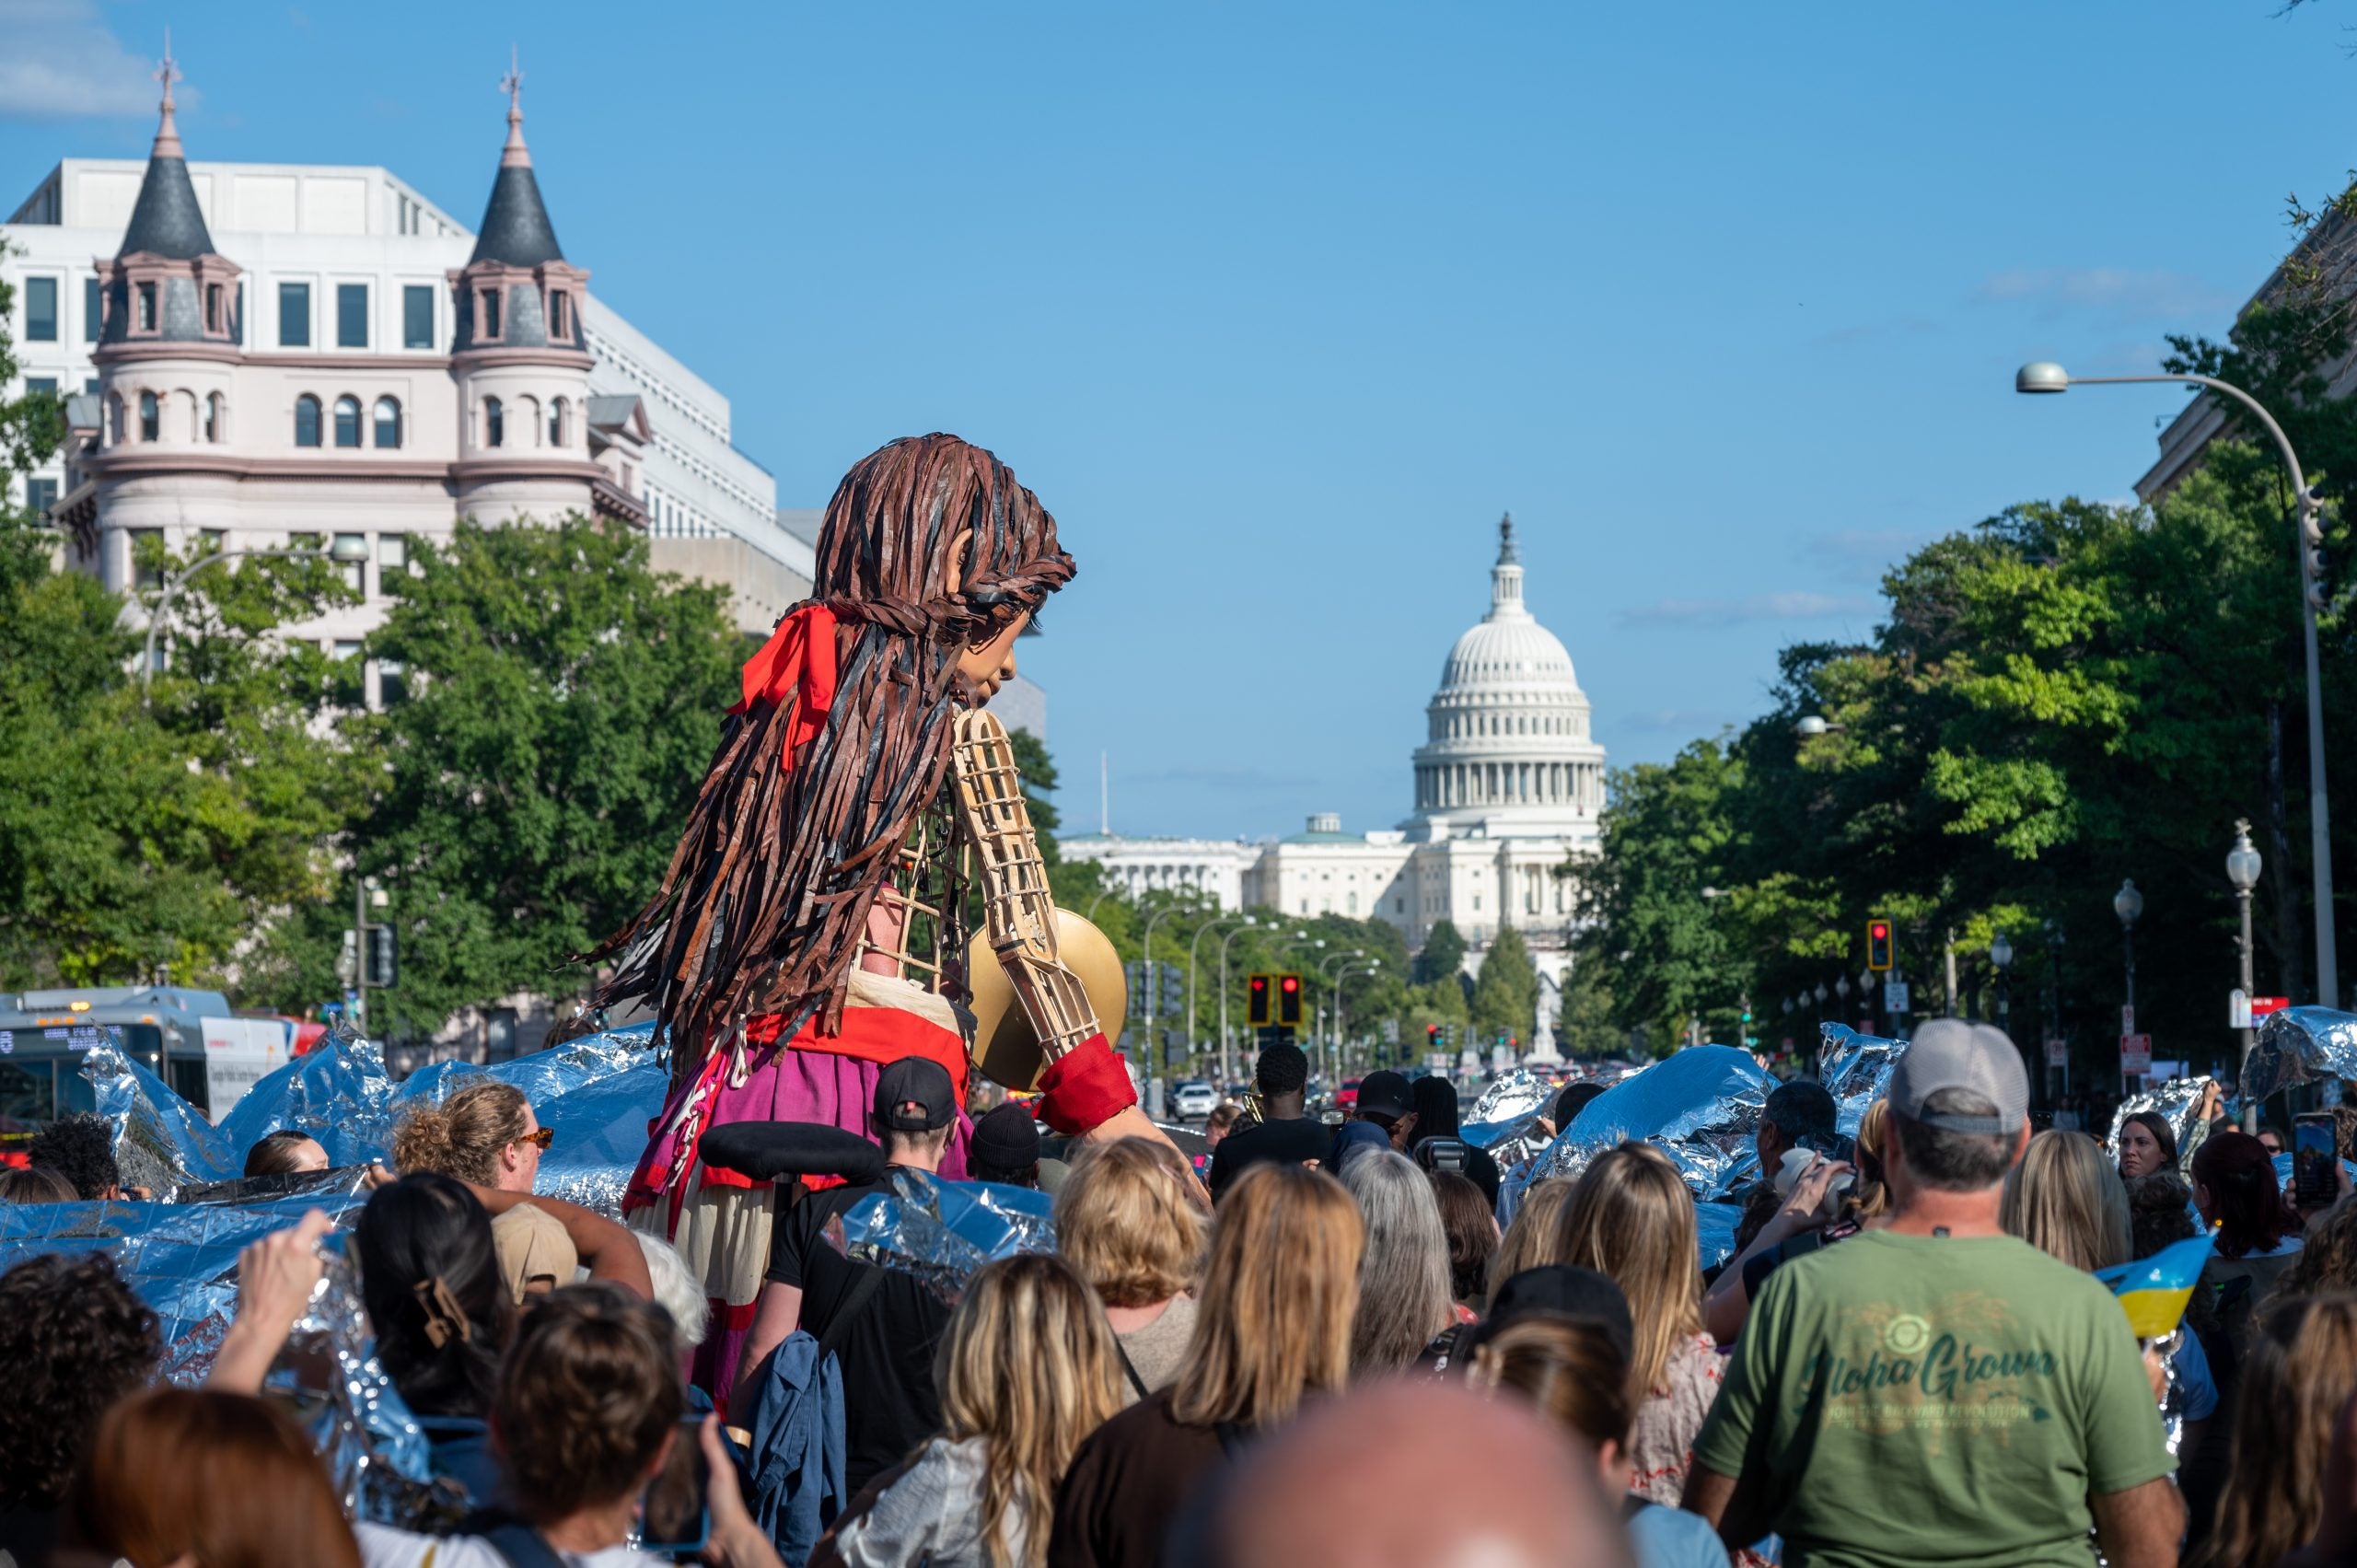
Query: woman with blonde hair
1273, 1328
1126, 1222
2066, 1200
1531, 1236
1404, 1303
1631, 1218
2298, 1375
1026, 1370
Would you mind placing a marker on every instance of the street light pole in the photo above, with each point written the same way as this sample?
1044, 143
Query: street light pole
2050, 378
2128, 904
1226, 1063
2243, 867
1340, 960
1145, 973
1194, 957
174, 582
2001, 957
1369, 967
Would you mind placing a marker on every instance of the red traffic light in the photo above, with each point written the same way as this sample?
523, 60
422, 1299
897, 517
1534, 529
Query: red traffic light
1292, 983
1879, 932
1256, 995
1878, 945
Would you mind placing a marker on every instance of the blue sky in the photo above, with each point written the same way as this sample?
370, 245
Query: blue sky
1278, 306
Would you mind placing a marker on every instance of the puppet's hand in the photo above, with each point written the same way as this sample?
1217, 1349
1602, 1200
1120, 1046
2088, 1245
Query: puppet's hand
1084, 1086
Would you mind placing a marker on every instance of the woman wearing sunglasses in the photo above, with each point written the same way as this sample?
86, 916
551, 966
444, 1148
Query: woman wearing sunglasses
486, 1137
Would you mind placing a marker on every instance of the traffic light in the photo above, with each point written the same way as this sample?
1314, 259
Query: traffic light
384, 958
1432, 1037
1289, 1001
1878, 945
1256, 1008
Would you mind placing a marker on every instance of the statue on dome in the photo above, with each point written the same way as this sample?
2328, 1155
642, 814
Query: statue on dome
811, 927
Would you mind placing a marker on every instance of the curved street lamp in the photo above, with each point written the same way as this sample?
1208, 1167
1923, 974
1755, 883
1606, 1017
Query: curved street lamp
1194, 958
348, 549
2044, 376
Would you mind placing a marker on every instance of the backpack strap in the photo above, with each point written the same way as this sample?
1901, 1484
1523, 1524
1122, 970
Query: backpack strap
862, 1291
520, 1546
1130, 1370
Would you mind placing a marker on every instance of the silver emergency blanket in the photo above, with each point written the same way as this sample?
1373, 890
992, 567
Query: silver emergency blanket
1855, 1070
182, 1258
1505, 1119
597, 1093
1700, 1106
161, 1142
941, 1231
2300, 1045
2178, 1101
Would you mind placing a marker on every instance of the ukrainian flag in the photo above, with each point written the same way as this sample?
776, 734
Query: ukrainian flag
2154, 1290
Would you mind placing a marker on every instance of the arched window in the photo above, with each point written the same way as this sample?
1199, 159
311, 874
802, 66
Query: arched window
528, 412
306, 420
150, 416
556, 418
347, 421
185, 415
216, 419
389, 423
494, 423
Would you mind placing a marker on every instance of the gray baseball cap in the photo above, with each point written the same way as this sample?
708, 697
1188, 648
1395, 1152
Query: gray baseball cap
1948, 1053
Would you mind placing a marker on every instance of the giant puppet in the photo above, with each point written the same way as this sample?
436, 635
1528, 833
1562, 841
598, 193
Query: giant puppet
810, 928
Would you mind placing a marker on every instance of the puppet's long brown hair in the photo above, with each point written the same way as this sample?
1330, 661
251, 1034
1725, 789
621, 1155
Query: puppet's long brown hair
767, 896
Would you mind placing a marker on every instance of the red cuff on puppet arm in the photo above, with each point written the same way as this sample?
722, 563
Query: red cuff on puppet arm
1084, 1087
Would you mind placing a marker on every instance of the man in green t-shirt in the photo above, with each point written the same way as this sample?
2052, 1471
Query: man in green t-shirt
1936, 1391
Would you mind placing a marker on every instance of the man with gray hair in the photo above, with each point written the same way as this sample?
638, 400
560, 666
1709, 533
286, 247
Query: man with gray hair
1935, 1391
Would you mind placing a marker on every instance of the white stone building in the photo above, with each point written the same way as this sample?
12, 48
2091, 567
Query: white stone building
1210, 868
1508, 785
260, 355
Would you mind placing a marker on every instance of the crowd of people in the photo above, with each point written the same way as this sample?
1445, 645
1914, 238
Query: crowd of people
1320, 1342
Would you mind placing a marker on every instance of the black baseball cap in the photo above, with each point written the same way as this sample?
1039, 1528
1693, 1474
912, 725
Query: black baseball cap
1385, 1094
914, 1095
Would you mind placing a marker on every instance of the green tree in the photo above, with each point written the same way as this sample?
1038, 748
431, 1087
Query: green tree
564, 703
1668, 833
1505, 993
1443, 955
144, 832
1584, 1025
1076, 883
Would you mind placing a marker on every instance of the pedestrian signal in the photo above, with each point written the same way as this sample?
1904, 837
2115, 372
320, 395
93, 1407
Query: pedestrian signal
1289, 999
1259, 1009
1878, 945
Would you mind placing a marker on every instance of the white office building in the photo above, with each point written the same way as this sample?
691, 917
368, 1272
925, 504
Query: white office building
260, 355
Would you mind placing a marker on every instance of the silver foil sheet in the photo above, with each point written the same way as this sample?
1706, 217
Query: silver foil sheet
1505, 1119
1855, 1070
942, 1231
2179, 1103
2300, 1045
161, 1142
183, 1259
1701, 1107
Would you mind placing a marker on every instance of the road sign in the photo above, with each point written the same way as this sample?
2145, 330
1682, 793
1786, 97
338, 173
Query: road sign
1894, 996
2237, 1008
2057, 1054
2136, 1053
2127, 1019
2263, 1006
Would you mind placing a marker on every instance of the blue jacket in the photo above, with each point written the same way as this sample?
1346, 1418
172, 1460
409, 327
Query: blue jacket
796, 1467
1354, 1137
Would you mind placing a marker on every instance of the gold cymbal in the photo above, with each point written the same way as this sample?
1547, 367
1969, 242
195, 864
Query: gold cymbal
1004, 1045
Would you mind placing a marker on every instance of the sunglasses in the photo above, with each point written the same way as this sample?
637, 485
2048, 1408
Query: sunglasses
540, 1140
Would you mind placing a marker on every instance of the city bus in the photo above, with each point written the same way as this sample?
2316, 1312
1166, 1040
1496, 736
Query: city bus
190, 1039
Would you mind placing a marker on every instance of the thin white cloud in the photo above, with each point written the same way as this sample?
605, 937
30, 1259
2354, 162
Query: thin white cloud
2122, 294
1691, 721
61, 62
1862, 555
1798, 604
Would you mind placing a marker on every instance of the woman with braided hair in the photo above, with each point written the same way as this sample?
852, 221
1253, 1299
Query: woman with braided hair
775, 953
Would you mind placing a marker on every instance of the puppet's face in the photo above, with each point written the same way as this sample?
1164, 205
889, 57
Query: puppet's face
992, 665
